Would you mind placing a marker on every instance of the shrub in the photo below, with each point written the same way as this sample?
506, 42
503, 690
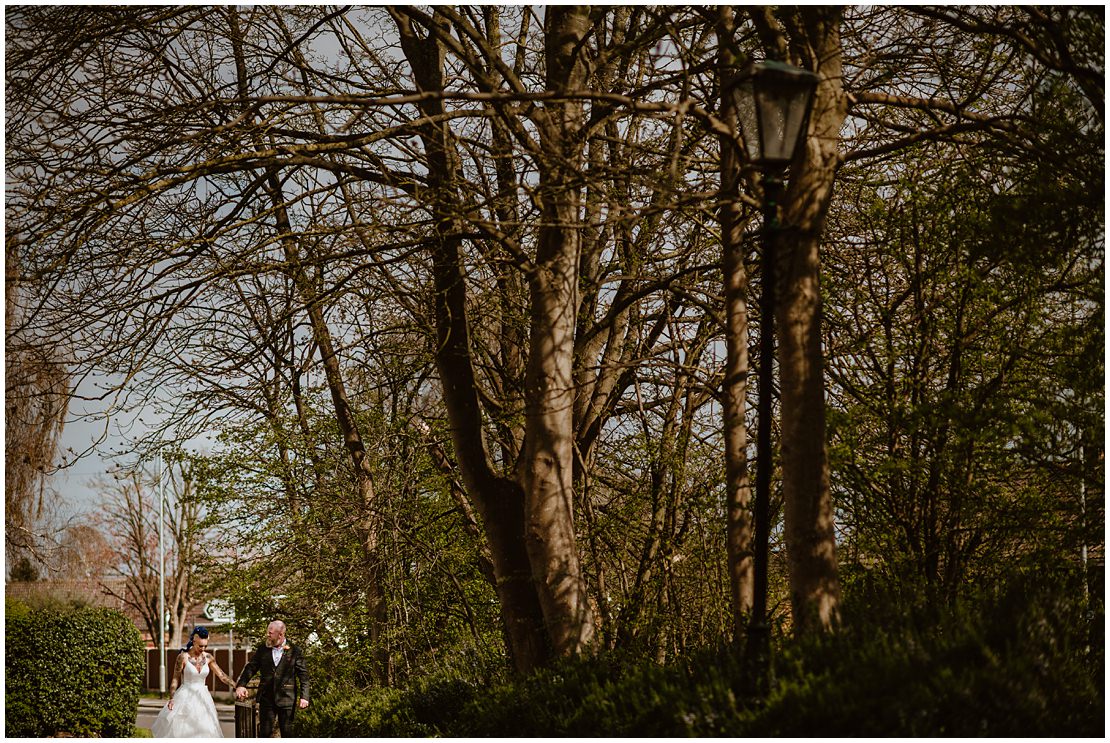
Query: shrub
73, 671
1026, 659
1015, 661
339, 713
428, 708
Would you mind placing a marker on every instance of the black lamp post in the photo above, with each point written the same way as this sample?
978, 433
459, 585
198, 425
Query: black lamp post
772, 101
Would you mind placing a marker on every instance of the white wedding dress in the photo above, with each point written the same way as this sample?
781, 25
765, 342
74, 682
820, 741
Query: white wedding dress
193, 714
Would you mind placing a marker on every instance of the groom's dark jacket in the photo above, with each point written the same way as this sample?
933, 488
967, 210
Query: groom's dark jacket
277, 687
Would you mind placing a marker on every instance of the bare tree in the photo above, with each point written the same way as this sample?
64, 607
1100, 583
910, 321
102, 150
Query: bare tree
83, 554
239, 206
130, 519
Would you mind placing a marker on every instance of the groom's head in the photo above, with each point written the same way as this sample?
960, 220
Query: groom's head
275, 633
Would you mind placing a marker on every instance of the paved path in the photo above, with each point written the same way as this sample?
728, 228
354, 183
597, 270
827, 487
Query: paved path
149, 709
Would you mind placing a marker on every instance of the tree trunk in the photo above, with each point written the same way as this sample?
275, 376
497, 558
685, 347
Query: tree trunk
734, 397
511, 291
547, 468
499, 500
366, 524
809, 532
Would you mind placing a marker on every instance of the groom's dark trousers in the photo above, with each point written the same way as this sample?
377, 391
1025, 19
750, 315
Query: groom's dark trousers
266, 714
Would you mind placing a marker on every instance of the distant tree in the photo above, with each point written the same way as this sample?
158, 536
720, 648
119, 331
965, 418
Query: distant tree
24, 570
129, 518
36, 397
83, 553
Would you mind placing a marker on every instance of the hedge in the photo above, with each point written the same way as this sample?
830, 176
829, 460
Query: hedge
74, 671
1022, 661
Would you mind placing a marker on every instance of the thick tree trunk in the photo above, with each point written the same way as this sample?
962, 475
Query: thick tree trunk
809, 532
499, 500
739, 527
547, 468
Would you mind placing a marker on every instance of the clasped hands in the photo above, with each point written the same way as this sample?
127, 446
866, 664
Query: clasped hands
241, 694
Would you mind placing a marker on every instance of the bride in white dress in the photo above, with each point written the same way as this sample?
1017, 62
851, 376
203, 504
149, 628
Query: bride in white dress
191, 712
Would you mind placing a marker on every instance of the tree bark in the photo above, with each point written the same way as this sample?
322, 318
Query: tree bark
808, 517
499, 500
734, 392
547, 467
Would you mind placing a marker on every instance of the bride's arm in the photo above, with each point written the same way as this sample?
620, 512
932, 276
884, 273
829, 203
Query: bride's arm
178, 667
219, 672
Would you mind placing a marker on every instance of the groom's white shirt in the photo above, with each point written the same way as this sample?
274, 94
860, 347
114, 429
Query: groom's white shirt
277, 654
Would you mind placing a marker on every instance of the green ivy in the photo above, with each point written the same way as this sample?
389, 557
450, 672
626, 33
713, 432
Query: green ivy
71, 671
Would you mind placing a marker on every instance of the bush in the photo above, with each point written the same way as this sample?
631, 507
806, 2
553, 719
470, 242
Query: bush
429, 708
605, 696
1023, 660
345, 714
74, 671
611, 695
1013, 662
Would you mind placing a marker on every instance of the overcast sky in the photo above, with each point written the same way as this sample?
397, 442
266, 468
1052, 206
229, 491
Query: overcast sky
94, 444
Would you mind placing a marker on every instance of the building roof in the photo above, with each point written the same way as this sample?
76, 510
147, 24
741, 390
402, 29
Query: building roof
90, 592
93, 593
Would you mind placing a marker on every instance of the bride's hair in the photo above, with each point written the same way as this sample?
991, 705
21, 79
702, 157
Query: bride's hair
201, 632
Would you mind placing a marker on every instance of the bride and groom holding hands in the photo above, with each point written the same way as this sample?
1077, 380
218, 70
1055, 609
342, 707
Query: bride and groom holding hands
283, 687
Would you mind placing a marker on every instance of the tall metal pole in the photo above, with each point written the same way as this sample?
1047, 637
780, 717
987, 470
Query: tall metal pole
161, 582
758, 649
1083, 523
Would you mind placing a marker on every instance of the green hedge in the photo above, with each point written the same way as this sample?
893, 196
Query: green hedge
1018, 663
74, 671
1022, 661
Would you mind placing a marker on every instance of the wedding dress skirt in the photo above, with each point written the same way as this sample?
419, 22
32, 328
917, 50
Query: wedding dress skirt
193, 714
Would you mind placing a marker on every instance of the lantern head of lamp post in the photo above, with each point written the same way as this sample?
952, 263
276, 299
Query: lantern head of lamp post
772, 102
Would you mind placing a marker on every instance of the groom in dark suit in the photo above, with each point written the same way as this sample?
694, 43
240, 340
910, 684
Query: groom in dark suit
280, 668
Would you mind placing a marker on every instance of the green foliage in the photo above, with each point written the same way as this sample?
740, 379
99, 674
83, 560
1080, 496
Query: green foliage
1022, 660
296, 529
430, 707
612, 696
76, 671
339, 714
966, 362
655, 535
1018, 661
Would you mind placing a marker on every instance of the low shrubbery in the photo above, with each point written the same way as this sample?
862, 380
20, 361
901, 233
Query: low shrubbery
70, 670
1016, 663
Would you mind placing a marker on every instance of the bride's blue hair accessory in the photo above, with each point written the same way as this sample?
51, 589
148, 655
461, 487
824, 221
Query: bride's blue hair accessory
201, 632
